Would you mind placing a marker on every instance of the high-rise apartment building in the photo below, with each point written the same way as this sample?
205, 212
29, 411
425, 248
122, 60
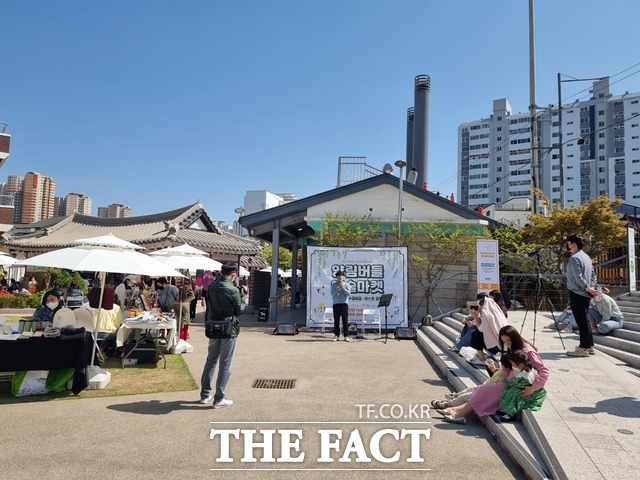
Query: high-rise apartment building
36, 200
76, 202
600, 154
115, 210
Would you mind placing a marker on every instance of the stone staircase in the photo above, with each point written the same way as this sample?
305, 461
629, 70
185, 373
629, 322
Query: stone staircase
521, 440
624, 343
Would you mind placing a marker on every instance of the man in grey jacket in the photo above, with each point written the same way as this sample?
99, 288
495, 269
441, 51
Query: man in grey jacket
581, 282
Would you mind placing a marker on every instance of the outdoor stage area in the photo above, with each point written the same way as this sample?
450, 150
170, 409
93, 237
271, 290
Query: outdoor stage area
160, 435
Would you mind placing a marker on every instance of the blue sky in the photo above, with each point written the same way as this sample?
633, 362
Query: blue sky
155, 103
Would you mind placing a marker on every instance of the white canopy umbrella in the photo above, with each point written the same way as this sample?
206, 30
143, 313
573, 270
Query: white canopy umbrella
268, 269
6, 260
289, 273
186, 257
243, 272
102, 254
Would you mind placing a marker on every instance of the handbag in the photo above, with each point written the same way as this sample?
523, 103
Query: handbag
219, 328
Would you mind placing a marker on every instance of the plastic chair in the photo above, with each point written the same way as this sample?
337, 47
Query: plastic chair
74, 302
371, 316
327, 318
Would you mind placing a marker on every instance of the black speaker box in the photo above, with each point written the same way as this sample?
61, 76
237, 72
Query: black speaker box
406, 333
286, 329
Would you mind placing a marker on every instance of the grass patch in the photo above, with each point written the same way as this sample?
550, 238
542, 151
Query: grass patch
133, 380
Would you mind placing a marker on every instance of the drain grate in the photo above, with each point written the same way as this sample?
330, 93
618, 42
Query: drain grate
274, 383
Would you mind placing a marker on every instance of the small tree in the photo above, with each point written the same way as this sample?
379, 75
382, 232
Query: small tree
348, 231
433, 248
596, 220
284, 256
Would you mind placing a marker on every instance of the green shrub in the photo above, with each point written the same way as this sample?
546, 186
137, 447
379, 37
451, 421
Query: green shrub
21, 301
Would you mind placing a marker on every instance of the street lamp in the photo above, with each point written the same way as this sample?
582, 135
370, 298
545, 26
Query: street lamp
239, 211
400, 164
560, 153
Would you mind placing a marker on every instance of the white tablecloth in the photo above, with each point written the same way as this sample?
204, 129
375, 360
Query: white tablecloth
146, 322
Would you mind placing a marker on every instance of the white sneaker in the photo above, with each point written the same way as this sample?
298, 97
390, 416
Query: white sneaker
223, 403
347, 339
336, 338
205, 400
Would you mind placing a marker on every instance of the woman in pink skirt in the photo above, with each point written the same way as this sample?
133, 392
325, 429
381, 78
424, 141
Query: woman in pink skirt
486, 399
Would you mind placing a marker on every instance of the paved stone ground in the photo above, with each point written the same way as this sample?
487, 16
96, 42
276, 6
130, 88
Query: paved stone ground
167, 435
592, 413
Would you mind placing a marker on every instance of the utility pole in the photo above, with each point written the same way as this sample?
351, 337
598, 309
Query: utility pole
532, 109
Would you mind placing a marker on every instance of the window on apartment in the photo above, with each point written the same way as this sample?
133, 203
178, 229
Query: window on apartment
602, 181
600, 112
601, 124
601, 147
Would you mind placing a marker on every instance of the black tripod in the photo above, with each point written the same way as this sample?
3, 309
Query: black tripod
536, 295
385, 301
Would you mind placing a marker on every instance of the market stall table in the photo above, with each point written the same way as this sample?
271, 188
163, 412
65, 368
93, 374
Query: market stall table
151, 323
41, 353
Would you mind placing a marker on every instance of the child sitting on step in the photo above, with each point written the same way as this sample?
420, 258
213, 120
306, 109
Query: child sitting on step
458, 398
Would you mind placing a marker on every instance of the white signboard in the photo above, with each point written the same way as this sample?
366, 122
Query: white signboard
631, 236
488, 266
370, 273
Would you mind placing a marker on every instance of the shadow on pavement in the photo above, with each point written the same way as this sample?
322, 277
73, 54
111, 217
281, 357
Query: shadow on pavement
156, 407
620, 407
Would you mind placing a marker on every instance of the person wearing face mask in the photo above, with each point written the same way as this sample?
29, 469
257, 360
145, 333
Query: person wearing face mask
168, 294
50, 305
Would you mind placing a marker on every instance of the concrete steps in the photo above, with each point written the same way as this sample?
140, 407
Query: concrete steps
514, 437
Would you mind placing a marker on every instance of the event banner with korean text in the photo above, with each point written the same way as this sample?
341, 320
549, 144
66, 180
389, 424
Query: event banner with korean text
370, 272
488, 266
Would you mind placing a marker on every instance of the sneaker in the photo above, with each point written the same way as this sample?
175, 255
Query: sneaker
591, 350
336, 338
579, 352
347, 339
450, 395
506, 418
568, 329
206, 400
223, 403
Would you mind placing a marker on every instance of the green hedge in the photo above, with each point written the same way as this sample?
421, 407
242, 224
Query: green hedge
21, 301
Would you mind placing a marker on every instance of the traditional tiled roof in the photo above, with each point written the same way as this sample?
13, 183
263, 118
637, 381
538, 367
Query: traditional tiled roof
190, 224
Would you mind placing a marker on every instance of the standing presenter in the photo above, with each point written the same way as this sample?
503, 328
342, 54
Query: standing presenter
340, 293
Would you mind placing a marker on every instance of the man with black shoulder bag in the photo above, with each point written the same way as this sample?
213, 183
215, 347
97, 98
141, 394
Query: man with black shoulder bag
222, 327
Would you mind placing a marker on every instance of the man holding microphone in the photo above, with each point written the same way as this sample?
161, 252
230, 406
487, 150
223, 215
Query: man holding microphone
340, 292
